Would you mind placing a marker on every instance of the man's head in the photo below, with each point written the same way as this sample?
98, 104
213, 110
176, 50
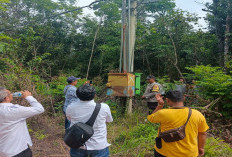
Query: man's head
86, 92
72, 80
193, 81
5, 95
150, 79
174, 97
181, 80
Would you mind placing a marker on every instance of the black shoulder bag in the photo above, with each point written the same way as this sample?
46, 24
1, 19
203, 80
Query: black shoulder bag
79, 133
173, 135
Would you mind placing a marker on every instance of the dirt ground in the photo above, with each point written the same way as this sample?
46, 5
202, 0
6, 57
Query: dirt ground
47, 135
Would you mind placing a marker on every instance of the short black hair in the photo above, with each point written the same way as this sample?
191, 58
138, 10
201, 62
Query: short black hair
86, 92
175, 96
69, 82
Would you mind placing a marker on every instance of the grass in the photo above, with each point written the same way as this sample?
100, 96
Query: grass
133, 136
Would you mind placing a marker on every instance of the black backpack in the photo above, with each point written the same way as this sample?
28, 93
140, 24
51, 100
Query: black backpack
79, 133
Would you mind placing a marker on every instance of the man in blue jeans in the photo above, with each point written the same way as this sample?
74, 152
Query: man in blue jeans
70, 96
97, 145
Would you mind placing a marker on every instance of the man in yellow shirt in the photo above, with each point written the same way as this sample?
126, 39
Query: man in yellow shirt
175, 116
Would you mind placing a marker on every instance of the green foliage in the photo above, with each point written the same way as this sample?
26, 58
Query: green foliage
165, 82
216, 147
56, 90
213, 83
140, 137
3, 4
114, 109
40, 135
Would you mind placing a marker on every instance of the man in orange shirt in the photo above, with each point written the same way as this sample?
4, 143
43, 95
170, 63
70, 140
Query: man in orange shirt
176, 116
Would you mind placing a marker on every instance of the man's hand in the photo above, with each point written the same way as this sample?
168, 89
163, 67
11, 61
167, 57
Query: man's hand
201, 151
201, 142
159, 98
143, 97
25, 93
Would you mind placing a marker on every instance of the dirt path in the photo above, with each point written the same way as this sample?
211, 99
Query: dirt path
47, 136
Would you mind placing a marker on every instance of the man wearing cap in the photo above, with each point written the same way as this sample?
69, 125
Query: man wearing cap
152, 89
70, 96
97, 145
192, 145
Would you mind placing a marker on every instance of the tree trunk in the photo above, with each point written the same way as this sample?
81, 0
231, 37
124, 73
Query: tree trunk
148, 64
175, 63
227, 37
94, 40
219, 26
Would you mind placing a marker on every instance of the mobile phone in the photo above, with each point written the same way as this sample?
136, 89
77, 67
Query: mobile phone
163, 95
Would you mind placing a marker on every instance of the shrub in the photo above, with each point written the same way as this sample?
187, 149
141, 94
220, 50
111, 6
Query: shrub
214, 83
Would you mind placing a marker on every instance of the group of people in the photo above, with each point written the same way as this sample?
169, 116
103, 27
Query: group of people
79, 105
177, 115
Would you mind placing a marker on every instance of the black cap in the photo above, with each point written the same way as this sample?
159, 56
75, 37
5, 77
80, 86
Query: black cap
72, 78
175, 96
86, 92
150, 77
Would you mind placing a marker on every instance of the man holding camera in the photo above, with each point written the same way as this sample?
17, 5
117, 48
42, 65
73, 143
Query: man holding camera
97, 145
178, 116
14, 136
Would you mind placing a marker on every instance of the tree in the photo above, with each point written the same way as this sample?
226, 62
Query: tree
219, 15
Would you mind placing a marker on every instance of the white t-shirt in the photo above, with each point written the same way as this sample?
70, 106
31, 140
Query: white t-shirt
14, 135
81, 112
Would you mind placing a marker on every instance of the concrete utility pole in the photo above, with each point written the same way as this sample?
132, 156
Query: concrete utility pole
128, 37
132, 22
132, 32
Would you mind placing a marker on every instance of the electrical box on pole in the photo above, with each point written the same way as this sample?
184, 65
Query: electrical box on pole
126, 67
126, 83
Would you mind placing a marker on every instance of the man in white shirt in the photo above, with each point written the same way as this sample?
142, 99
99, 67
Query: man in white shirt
97, 145
14, 136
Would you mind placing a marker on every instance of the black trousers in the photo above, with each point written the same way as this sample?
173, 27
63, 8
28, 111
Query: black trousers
25, 153
152, 106
156, 154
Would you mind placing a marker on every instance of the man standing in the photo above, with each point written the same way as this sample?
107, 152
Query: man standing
14, 136
152, 89
195, 131
70, 96
81, 111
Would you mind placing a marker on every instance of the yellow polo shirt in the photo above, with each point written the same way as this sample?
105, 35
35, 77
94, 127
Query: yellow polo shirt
174, 118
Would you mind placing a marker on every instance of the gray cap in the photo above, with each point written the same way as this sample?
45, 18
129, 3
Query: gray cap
150, 77
72, 78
